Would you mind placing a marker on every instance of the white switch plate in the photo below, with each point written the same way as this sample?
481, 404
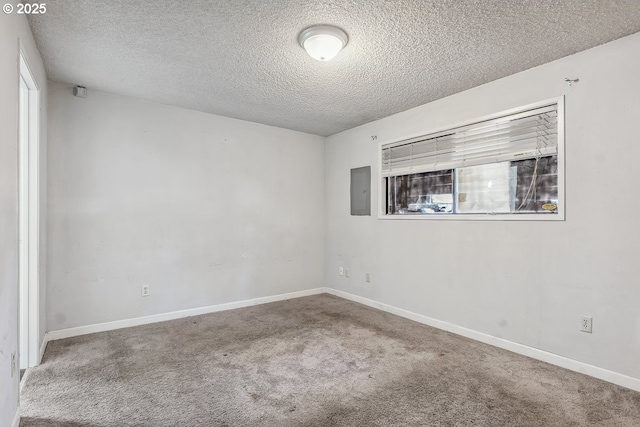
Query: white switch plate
341, 271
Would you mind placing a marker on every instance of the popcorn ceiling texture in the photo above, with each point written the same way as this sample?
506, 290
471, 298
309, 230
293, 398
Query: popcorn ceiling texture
241, 59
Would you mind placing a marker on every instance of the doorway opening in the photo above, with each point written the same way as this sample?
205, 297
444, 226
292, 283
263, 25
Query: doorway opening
29, 217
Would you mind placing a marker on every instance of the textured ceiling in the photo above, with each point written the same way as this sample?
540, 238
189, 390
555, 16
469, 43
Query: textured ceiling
241, 58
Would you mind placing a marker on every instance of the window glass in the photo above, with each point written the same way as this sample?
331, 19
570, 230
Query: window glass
420, 193
524, 186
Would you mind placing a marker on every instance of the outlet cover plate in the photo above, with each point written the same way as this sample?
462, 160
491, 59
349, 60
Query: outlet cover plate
586, 324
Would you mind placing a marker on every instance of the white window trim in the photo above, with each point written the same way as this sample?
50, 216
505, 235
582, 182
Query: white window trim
559, 216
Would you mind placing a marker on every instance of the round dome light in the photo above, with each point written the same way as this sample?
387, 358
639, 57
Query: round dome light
323, 42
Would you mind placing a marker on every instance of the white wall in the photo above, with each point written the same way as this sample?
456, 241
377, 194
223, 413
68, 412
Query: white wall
14, 30
526, 282
205, 209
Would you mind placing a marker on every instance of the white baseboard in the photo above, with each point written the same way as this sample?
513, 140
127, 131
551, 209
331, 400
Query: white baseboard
554, 359
16, 418
137, 321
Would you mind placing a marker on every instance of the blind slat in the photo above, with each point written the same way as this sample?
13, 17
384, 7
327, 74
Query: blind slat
520, 136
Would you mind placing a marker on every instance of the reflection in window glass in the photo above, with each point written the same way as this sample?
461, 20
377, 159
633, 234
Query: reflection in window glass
524, 186
420, 193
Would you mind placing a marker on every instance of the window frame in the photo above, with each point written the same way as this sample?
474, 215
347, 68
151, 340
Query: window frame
559, 216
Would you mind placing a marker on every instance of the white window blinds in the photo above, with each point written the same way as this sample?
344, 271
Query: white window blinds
525, 135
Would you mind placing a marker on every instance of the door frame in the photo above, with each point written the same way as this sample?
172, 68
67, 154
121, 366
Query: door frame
29, 214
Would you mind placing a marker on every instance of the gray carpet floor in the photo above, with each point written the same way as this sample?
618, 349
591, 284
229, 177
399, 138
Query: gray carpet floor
313, 361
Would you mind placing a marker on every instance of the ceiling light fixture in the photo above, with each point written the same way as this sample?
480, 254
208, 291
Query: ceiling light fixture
323, 42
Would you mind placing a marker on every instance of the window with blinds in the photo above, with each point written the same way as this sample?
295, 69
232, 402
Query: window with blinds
506, 164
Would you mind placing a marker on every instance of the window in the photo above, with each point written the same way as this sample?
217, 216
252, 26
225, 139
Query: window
507, 166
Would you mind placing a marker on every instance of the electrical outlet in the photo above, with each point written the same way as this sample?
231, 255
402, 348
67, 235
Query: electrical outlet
341, 271
146, 290
586, 324
346, 272
13, 364
367, 277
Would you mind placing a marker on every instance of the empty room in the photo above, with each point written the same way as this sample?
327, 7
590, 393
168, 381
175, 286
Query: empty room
319, 213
